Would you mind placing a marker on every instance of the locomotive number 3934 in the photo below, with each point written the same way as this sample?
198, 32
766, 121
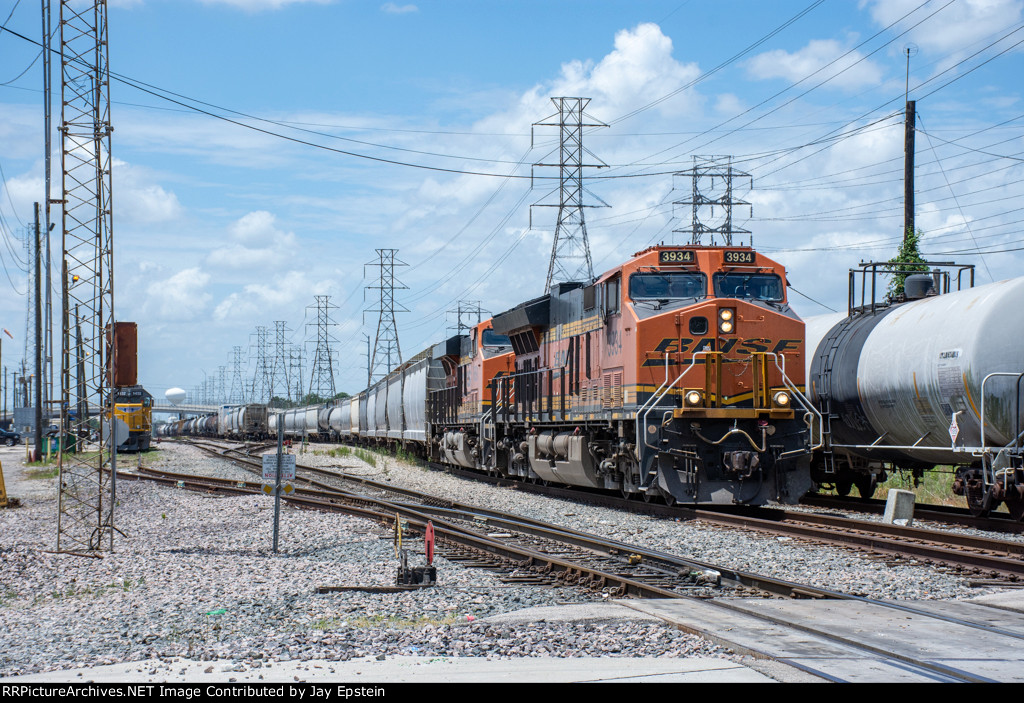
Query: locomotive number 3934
739, 257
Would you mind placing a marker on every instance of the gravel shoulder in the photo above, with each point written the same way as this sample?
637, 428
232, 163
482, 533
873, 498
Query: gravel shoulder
195, 578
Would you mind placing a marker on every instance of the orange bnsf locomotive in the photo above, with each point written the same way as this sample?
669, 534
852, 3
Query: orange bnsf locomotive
676, 376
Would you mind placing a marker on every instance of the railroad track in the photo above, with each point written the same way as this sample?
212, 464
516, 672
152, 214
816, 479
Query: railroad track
996, 522
978, 557
526, 551
983, 557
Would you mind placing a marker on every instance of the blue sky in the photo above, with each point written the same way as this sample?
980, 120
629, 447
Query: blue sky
220, 228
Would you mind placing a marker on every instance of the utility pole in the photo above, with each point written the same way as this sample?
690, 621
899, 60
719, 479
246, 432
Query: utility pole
386, 354
570, 251
908, 171
369, 359
909, 130
40, 378
48, 225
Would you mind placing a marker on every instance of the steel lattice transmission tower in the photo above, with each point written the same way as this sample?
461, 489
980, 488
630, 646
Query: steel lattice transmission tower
386, 355
279, 374
261, 387
321, 379
237, 394
295, 372
87, 493
706, 193
466, 308
570, 251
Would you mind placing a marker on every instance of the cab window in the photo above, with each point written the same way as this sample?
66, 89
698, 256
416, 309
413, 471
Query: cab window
493, 339
753, 286
667, 286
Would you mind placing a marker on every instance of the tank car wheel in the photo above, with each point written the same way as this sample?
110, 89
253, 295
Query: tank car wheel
979, 500
1015, 504
866, 485
843, 488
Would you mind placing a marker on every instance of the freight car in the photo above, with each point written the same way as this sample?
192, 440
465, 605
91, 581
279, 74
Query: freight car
933, 379
677, 376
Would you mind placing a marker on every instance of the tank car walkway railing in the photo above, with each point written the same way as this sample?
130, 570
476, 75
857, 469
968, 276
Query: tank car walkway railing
983, 450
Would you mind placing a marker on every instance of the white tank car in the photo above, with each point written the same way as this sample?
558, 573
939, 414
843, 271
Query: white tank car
909, 377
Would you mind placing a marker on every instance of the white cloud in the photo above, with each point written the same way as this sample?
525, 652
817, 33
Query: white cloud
639, 70
955, 27
139, 201
181, 297
393, 9
847, 72
280, 295
256, 242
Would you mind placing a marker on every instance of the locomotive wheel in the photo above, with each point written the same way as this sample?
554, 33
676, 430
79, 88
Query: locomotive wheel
979, 501
866, 485
648, 496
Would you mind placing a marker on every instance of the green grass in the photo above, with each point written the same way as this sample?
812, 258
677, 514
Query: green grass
934, 488
47, 471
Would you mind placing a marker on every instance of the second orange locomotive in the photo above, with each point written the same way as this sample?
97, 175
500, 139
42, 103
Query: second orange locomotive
677, 375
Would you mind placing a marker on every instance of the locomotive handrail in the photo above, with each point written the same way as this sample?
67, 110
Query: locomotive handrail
656, 397
804, 401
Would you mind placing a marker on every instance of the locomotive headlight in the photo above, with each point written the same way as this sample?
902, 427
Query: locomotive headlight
726, 320
694, 398
780, 399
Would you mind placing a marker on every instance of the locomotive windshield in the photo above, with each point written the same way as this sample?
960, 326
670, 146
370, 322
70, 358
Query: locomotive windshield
493, 339
756, 286
667, 286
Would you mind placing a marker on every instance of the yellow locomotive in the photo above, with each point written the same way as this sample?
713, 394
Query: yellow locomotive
134, 406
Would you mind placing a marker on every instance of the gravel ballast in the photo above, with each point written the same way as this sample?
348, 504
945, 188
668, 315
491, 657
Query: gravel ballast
194, 577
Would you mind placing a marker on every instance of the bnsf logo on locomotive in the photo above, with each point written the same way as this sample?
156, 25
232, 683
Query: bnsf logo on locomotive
747, 346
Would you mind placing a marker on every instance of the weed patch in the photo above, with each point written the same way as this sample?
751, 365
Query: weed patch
46, 471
